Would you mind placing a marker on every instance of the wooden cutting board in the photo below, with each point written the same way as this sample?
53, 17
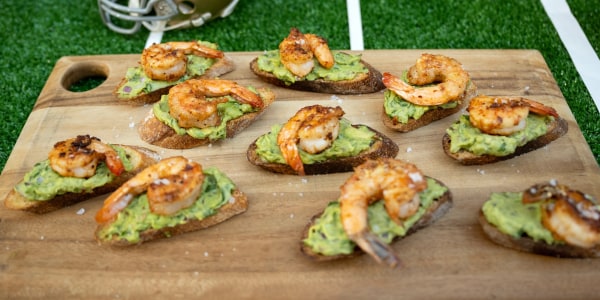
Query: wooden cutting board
256, 254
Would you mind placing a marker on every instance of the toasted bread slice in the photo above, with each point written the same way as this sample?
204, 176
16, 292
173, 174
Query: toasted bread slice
431, 115
140, 158
155, 132
527, 244
237, 205
363, 84
220, 67
556, 129
434, 212
383, 147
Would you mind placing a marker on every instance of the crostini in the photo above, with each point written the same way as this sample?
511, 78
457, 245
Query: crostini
305, 62
76, 170
171, 197
435, 87
200, 111
318, 140
548, 219
500, 128
165, 65
383, 201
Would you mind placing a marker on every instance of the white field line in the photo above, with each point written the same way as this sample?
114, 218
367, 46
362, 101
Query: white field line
579, 48
355, 25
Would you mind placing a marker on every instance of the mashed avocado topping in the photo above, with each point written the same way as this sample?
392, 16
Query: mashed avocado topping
43, 183
402, 110
350, 142
137, 82
229, 110
136, 217
507, 212
327, 236
465, 136
346, 67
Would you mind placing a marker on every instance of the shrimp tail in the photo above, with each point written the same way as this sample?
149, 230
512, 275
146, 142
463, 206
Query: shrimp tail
292, 157
114, 164
377, 249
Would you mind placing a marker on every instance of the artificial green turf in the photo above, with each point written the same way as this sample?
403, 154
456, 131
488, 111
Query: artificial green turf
32, 45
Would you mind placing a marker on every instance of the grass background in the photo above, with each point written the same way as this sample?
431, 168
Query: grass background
37, 33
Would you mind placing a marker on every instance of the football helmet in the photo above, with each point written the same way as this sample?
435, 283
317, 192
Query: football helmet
161, 15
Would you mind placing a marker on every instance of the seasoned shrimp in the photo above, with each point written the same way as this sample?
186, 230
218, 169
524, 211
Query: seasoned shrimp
570, 215
168, 61
448, 75
504, 115
313, 128
79, 157
397, 182
189, 105
171, 184
297, 50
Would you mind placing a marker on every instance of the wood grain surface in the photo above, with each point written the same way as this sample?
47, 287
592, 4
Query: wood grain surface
256, 254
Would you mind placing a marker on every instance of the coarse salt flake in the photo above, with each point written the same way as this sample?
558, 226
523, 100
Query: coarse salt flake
81, 211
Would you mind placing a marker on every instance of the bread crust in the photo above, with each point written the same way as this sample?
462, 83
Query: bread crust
439, 208
430, 115
14, 200
383, 147
155, 132
220, 67
556, 129
363, 84
527, 244
225, 212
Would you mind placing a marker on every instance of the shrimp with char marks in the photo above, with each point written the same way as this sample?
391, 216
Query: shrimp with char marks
188, 101
571, 216
504, 115
172, 184
80, 156
398, 183
297, 50
168, 61
448, 78
313, 128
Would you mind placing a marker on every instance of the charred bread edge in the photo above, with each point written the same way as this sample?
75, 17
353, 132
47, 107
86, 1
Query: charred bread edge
221, 67
384, 147
155, 132
429, 116
16, 201
369, 83
558, 128
527, 244
438, 209
224, 213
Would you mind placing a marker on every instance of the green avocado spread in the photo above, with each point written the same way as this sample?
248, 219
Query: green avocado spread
465, 136
229, 110
43, 183
137, 82
402, 110
217, 191
346, 67
508, 214
350, 142
327, 236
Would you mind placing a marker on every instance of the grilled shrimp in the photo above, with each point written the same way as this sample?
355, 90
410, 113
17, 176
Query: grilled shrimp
297, 50
446, 74
313, 128
171, 184
504, 115
79, 157
189, 105
571, 216
168, 61
397, 182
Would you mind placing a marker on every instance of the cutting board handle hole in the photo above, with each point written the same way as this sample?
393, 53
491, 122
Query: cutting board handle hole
84, 76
